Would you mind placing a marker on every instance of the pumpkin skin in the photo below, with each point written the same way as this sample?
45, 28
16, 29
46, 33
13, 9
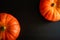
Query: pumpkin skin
50, 9
10, 25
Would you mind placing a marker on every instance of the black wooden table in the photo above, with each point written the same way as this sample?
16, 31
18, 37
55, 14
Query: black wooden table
33, 25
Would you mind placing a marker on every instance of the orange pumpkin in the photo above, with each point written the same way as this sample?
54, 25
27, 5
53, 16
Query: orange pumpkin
9, 27
50, 9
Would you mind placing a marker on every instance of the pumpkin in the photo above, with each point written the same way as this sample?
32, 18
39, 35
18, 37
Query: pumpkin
9, 27
50, 9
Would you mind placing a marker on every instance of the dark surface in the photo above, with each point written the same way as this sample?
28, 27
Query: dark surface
33, 25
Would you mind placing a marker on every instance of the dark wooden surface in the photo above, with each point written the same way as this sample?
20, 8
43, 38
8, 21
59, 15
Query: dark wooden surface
33, 25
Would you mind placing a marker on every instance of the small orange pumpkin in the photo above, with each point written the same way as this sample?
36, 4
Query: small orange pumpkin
9, 27
50, 9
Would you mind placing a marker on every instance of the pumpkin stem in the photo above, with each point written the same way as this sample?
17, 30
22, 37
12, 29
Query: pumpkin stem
2, 28
52, 4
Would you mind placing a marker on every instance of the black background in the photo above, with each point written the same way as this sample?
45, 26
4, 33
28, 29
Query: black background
33, 25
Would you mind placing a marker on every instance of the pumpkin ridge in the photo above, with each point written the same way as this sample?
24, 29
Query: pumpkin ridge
9, 20
58, 12
6, 18
45, 11
11, 34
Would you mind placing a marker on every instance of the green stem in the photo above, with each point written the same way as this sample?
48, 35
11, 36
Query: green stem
2, 28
